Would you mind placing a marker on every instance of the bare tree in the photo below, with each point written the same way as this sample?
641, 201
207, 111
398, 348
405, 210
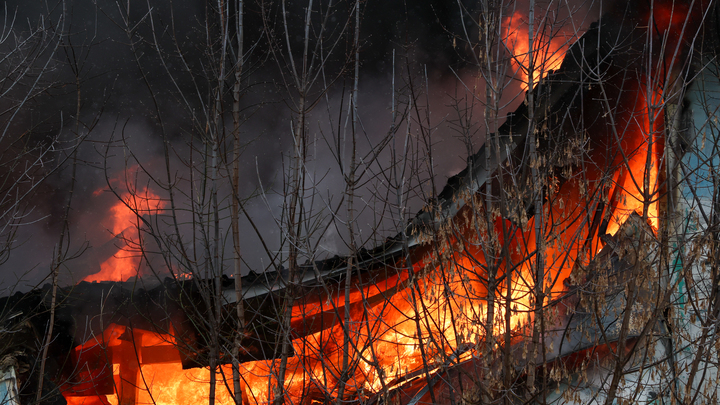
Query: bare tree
32, 64
572, 261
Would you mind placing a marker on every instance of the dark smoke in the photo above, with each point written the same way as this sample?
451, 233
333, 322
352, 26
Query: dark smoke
116, 106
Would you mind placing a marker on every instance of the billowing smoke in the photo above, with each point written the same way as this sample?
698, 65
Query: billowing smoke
126, 95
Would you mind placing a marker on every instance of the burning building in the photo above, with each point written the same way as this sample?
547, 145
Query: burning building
572, 261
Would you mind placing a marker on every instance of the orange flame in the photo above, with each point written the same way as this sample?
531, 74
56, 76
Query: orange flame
124, 222
145, 370
641, 163
171, 385
441, 308
548, 50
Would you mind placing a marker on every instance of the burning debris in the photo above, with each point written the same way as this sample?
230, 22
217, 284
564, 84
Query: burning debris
461, 296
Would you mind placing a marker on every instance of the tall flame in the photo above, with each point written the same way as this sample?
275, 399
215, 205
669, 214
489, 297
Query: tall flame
548, 50
124, 222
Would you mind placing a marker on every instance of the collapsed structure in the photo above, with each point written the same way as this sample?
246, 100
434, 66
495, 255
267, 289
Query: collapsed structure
457, 307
